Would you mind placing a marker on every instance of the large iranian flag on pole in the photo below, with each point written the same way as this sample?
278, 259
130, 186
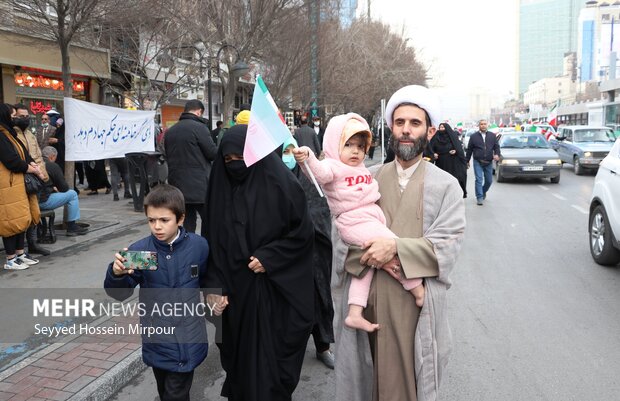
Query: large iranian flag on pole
266, 130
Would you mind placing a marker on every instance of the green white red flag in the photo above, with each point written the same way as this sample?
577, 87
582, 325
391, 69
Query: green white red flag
266, 130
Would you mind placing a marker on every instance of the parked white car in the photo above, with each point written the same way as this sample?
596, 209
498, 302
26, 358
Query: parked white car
604, 222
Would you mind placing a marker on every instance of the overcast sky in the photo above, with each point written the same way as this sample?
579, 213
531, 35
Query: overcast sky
466, 44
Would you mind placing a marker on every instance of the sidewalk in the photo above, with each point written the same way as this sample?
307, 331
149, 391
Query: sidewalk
83, 367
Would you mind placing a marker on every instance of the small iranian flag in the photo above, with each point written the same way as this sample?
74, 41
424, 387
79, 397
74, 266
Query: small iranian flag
266, 130
553, 116
536, 129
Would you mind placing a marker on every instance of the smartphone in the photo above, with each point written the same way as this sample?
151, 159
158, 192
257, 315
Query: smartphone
139, 260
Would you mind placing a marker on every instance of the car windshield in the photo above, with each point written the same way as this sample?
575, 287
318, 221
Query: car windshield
529, 141
594, 135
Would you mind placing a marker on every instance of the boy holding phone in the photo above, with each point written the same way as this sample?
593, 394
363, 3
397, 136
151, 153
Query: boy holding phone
181, 263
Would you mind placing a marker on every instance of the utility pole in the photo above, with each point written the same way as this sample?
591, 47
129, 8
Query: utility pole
368, 12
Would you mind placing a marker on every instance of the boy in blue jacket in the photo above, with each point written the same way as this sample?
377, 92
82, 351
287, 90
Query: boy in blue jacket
181, 266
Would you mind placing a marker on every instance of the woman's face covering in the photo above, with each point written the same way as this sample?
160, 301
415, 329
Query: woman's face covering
235, 167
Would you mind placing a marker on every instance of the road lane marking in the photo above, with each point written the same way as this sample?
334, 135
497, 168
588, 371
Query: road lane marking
560, 197
582, 210
543, 187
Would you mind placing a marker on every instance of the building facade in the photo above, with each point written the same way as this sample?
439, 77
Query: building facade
597, 39
34, 76
547, 31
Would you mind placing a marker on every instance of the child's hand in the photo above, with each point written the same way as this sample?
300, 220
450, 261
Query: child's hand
218, 303
118, 268
301, 154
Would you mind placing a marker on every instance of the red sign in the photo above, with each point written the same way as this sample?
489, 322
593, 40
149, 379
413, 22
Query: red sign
39, 108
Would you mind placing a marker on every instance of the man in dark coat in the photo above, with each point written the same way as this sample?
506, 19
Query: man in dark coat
484, 147
216, 131
305, 136
189, 151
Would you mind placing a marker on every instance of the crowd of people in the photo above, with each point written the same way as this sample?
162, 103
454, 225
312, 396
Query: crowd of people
363, 270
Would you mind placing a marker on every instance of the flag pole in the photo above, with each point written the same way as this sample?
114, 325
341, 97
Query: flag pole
313, 178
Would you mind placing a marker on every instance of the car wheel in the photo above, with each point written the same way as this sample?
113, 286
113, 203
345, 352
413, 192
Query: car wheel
556, 179
601, 246
500, 177
577, 167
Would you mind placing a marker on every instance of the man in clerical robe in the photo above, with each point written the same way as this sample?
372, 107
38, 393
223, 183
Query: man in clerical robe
423, 204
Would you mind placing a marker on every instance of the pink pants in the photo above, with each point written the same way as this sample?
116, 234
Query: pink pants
360, 288
356, 228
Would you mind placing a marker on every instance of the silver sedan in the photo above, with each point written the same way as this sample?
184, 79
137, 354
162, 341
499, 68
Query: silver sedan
527, 155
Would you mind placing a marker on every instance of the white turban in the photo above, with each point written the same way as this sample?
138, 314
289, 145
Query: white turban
416, 94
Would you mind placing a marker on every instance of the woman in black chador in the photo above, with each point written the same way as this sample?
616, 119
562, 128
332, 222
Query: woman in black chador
449, 155
96, 177
261, 240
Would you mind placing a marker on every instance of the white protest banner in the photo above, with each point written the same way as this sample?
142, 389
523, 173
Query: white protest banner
95, 132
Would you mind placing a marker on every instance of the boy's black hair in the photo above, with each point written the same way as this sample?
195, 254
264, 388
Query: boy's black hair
166, 196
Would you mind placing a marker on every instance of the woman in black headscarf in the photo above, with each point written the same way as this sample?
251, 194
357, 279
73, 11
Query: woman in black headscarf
261, 240
323, 330
449, 155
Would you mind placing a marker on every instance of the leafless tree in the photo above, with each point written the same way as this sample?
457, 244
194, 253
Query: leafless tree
154, 53
248, 25
367, 62
60, 21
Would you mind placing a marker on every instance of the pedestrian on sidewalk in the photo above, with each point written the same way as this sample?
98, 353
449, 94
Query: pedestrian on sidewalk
97, 177
189, 151
484, 147
181, 264
261, 237
118, 171
18, 210
323, 330
25, 135
56, 193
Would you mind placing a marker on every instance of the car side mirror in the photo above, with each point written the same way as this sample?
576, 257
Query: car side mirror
560, 138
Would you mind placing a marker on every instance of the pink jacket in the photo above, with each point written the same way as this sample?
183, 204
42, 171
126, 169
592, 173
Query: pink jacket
351, 192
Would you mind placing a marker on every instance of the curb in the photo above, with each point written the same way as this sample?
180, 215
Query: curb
113, 380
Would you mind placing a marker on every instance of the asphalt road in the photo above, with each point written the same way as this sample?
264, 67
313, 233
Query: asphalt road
532, 316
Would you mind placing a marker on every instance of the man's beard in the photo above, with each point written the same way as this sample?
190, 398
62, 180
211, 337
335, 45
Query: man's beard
409, 152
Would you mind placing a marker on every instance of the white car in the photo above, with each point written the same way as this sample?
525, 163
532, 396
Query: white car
604, 222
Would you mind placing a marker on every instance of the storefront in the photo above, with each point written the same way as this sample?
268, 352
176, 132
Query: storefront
42, 90
31, 72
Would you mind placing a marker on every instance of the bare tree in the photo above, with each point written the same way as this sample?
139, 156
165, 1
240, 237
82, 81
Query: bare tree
367, 62
248, 25
60, 21
156, 55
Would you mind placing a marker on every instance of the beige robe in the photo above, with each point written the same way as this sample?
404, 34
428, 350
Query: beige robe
429, 219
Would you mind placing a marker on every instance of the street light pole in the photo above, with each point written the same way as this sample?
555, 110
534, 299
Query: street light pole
209, 95
238, 69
